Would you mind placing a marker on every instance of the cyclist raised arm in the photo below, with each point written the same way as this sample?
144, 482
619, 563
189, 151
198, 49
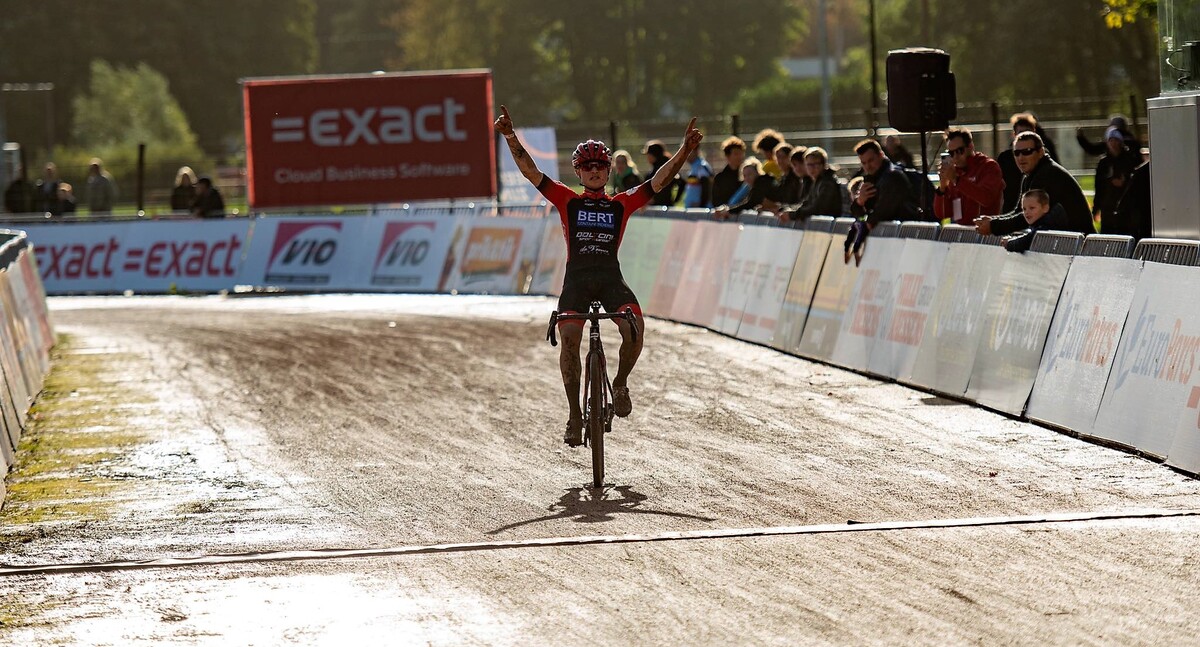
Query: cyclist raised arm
594, 223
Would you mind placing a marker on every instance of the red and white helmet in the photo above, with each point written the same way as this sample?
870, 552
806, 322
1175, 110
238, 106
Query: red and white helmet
591, 151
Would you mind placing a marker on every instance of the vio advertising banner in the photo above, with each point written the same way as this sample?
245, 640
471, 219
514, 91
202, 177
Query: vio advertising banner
1083, 341
306, 253
494, 255
810, 260
902, 326
1019, 314
406, 255
1150, 389
156, 256
369, 139
542, 146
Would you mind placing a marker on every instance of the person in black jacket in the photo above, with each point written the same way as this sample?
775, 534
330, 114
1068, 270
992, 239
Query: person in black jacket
656, 152
825, 196
886, 193
1097, 148
1038, 215
1041, 172
1132, 216
726, 183
1112, 174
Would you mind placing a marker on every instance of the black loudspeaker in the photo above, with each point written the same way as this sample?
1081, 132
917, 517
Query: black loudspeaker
921, 91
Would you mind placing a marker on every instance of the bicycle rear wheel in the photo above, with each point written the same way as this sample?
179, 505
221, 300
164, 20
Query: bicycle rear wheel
596, 416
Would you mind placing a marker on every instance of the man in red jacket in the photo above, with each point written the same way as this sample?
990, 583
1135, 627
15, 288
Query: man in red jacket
972, 184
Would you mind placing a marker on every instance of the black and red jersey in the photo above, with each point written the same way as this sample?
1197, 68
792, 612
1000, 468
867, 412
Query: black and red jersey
594, 222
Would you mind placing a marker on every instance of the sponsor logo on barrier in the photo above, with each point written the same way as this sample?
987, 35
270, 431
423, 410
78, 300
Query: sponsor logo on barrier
490, 251
1165, 354
404, 247
185, 258
301, 250
867, 314
1017, 324
912, 304
1089, 338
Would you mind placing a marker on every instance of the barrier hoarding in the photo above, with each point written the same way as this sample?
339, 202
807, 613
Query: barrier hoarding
641, 252
1019, 313
1082, 343
496, 256
705, 272
306, 253
829, 304
952, 331
670, 268
552, 259
373, 138
403, 255
1149, 388
873, 295
902, 325
806, 271
760, 318
742, 270
156, 256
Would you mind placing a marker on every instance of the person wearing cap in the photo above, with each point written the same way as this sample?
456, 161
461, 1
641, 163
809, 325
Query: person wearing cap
208, 202
1096, 149
594, 223
656, 154
1039, 171
1112, 173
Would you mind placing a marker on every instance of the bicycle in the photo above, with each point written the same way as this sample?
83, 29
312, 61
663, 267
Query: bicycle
597, 408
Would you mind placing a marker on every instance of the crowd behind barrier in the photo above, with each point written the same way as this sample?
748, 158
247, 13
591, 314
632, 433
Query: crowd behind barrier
1090, 335
25, 340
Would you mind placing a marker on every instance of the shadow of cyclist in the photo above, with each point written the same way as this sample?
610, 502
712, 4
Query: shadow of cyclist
585, 505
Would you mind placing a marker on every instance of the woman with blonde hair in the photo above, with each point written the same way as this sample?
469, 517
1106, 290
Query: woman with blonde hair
184, 192
625, 172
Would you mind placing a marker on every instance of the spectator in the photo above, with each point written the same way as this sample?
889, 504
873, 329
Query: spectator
1037, 215
1022, 122
896, 151
1112, 174
1041, 172
698, 189
66, 199
788, 189
101, 190
1132, 217
208, 203
726, 183
625, 172
20, 196
885, 193
47, 190
184, 193
971, 183
655, 152
755, 188
825, 196
764, 144
1096, 149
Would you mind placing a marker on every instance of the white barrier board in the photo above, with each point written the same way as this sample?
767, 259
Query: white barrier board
902, 327
306, 253
806, 271
404, 255
670, 268
1019, 313
952, 332
1157, 360
552, 259
742, 270
760, 318
705, 272
641, 252
495, 255
1083, 341
873, 296
829, 304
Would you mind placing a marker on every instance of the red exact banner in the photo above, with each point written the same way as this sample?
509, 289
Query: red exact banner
368, 139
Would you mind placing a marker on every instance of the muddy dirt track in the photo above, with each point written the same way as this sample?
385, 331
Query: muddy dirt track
308, 423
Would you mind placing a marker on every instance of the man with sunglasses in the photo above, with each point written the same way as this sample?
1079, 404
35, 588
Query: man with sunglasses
594, 223
972, 183
1038, 171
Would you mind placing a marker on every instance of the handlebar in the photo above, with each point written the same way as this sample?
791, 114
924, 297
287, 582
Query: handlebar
626, 314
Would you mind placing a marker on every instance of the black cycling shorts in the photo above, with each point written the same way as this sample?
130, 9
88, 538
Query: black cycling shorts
608, 287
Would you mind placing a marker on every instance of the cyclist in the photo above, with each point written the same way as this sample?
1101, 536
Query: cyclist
594, 223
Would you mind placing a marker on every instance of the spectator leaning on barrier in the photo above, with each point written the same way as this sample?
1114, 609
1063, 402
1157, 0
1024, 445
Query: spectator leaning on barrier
656, 154
764, 144
726, 183
971, 183
47, 190
208, 202
1112, 174
1022, 122
66, 199
20, 195
1133, 212
825, 196
697, 191
1041, 172
788, 189
625, 173
101, 190
755, 188
184, 193
886, 193
1037, 215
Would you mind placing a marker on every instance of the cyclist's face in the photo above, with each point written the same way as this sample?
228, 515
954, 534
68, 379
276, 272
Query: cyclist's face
593, 175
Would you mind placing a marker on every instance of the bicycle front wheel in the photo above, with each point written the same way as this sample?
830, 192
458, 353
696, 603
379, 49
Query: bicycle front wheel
596, 416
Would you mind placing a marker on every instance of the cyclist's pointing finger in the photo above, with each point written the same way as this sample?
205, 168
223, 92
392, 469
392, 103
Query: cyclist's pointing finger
691, 125
504, 111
